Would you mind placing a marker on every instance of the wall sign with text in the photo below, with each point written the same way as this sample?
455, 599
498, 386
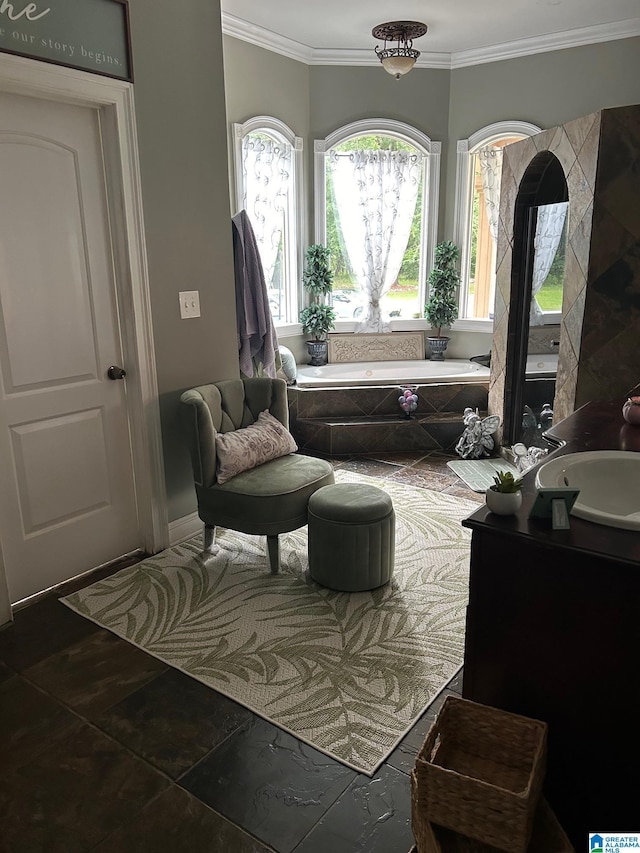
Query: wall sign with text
89, 34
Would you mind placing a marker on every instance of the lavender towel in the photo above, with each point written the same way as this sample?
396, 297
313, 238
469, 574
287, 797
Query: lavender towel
257, 340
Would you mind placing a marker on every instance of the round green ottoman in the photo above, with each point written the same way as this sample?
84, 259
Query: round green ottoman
352, 534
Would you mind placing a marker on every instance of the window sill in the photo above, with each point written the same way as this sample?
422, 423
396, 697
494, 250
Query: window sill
288, 330
411, 324
466, 324
414, 324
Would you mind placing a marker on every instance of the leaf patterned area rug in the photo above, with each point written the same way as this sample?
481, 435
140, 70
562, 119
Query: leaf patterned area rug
348, 673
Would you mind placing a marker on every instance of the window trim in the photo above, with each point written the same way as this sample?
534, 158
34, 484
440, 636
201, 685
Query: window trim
464, 198
295, 222
431, 152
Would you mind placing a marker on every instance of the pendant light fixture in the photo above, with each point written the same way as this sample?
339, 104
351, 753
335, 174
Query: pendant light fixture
398, 60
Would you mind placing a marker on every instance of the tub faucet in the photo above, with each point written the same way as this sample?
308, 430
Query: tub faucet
555, 343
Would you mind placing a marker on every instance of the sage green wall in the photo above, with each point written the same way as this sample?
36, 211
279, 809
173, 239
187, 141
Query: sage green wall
547, 89
342, 95
339, 96
181, 122
261, 82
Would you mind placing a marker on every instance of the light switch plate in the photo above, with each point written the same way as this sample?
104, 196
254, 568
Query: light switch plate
189, 304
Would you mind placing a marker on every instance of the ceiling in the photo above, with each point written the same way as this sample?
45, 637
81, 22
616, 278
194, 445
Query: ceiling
461, 32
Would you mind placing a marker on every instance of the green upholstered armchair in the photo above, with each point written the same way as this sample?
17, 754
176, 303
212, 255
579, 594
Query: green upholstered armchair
266, 500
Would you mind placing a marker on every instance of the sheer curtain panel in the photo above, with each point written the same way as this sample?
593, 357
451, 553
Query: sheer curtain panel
267, 174
375, 195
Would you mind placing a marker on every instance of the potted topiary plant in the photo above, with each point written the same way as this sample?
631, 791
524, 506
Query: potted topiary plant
317, 318
504, 497
442, 306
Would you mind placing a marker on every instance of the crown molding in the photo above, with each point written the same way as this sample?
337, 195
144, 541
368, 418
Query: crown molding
545, 44
245, 31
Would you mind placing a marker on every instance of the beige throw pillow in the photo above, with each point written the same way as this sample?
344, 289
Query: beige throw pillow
249, 447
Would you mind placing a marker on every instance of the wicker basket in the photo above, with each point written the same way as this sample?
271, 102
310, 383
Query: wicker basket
547, 835
480, 773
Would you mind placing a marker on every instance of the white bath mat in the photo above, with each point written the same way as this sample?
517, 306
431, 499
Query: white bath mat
478, 473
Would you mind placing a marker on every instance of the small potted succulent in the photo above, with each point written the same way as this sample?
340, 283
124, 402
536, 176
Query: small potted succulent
317, 318
504, 497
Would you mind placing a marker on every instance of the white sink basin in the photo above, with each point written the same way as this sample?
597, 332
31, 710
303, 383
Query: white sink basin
609, 483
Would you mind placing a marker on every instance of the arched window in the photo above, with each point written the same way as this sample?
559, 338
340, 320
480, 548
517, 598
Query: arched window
376, 196
479, 169
268, 180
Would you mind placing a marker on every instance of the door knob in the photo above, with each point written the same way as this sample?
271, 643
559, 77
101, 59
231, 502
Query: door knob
116, 372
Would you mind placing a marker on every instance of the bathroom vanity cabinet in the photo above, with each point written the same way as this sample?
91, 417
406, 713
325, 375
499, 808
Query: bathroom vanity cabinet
553, 633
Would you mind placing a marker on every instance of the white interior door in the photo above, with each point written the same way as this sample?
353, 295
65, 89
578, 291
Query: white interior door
67, 501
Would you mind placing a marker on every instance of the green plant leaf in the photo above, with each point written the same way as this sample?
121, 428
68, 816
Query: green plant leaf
505, 482
441, 308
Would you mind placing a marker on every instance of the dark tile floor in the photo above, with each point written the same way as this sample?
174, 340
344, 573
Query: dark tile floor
106, 749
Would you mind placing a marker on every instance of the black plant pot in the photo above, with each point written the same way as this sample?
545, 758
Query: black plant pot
318, 350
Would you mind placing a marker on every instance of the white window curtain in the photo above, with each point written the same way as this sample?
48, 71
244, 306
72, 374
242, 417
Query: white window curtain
266, 165
491, 170
375, 195
549, 225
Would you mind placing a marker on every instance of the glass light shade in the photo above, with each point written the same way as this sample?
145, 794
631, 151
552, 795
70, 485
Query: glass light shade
397, 66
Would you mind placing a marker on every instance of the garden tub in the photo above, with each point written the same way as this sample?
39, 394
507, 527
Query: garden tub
415, 372
353, 374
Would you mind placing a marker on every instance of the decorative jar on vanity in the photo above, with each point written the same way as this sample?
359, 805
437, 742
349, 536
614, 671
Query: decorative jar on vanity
631, 411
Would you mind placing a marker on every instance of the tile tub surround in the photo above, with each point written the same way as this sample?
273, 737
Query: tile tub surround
347, 421
601, 321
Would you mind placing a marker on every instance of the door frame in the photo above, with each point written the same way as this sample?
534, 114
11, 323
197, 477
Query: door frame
115, 103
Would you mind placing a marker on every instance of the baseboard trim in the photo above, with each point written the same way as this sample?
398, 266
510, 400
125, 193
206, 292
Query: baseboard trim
184, 528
